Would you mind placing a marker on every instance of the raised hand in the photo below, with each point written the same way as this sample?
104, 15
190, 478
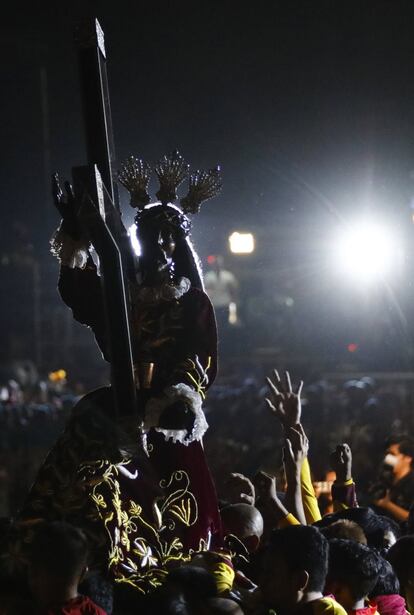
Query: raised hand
265, 486
283, 401
240, 489
295, 452
268, 501
341, 462
57, 191
65, 204
296, 448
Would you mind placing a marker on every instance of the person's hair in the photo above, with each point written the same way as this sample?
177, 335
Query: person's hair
363, 516
401, 557
405, 444
353, 565
160, 602
387, 584
374, 526
60, 549
222, 606
302, 548
381, 526
184, 590
194, 582
177, 606
344, 528
242, 518
100, 588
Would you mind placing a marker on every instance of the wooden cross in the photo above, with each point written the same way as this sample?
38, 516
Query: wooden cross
100, 215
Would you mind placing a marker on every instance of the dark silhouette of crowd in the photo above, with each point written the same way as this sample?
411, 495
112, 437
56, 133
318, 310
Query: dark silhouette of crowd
337, 540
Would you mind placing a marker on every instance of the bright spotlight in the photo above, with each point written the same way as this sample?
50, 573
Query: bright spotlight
366, 252
241, 243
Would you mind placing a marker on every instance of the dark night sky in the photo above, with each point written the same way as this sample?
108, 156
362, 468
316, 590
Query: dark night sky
308, 107
299, 102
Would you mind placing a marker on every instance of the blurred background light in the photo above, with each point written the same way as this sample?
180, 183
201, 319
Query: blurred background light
352, 347
241, 243
57, 376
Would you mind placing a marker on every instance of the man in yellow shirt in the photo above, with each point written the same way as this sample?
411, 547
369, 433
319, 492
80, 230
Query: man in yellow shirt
295, 568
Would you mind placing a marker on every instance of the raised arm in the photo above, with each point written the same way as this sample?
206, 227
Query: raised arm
343, 489
295, 452
285, 403
79, 283
274, 512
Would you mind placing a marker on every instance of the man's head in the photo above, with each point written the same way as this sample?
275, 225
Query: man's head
400, 455
381, 532
184, 590
218, 263
57, 560
245, 522
220, 606
295, 565
387, 583
344, 528
384, 535
401, 557
353, 572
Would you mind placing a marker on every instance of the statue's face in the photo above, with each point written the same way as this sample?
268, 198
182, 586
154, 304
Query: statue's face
157, 252
164, 250
166, 244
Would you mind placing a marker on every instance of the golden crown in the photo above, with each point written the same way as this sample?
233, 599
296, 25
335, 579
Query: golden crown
171, 171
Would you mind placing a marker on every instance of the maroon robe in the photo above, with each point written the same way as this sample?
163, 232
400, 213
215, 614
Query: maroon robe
141, 514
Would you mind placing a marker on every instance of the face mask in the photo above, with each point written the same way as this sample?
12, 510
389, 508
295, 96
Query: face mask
390, 460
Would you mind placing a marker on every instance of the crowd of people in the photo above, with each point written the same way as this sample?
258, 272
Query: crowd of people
362, 412
284, 549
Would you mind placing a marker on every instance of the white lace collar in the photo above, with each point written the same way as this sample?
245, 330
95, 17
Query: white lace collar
164, 292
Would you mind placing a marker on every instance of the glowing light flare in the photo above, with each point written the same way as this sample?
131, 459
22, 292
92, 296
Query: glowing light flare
241, 243
366, 252
132, 232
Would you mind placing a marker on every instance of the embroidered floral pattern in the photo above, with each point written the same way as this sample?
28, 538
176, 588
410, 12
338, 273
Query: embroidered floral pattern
141, 546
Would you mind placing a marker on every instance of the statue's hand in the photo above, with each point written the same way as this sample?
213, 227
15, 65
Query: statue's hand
66, 205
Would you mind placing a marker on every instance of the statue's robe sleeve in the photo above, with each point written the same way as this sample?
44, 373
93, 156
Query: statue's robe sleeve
60, 491
81, 290
199, 349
